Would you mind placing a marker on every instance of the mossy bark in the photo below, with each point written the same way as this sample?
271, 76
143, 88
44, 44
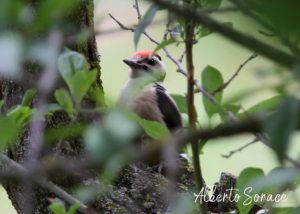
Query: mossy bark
223, 188
12, 93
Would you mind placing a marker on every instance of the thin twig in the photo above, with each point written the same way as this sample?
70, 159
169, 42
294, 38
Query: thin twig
121, 25
48, 184
198, 31
266, 34
136, 6
222, 87
166, 31
240, 149
181, 57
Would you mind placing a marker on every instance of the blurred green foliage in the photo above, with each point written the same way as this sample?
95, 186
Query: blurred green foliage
109, 138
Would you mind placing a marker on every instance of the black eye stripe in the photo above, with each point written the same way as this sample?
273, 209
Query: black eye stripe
157, 56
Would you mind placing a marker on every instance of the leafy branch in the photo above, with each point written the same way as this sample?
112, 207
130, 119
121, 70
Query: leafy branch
270, 52
202, 18
22, 172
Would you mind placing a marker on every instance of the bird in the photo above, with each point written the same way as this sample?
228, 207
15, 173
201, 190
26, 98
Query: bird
144, 93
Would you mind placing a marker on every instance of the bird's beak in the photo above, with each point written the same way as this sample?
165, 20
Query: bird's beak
132, 62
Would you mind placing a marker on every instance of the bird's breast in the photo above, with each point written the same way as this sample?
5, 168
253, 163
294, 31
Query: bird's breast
141, 101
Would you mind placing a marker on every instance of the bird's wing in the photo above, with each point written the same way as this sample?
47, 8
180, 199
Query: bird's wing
168, 108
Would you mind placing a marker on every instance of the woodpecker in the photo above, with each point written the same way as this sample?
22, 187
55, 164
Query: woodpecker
144, 94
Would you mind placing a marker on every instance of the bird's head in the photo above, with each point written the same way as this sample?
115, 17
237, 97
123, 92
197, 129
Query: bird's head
141, 64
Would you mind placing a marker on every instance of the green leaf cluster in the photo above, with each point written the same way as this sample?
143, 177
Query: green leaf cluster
73, 67
58, 207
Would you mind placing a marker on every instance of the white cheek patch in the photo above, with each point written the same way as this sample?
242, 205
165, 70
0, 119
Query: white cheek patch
183, 155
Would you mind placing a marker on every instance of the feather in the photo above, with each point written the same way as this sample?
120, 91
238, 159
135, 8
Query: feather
168, 108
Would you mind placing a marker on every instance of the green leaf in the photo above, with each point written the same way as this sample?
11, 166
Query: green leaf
63, 98
64, 131
81, 83
85, 193
265, 105
163, 44
98, 143
96, 95
10, 11
26, 116
114, 124
294, 210
181, 103
9, 130
281, 125
246, 176
21, 114
74, 208
28, 97
185, 204
283, 16
280, 210
211, 3
154, 129
201, 145
58, 207
71, 62
233, 108
278, 180
144, 23
54, 107
211, 80
285, 210
229, 24
204, 31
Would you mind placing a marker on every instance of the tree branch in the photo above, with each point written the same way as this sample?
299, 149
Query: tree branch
48, 184
121, 25
181, 57
282, 37
136, 6
240, 149
191, 109
251, 125
222, 87
270, 52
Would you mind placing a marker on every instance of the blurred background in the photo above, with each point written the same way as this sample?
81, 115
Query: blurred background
114, 45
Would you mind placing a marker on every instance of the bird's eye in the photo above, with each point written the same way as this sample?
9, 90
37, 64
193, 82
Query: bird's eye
151, 62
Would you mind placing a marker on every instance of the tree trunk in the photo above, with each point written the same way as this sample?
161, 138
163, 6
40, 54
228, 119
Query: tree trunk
12, 93
138, 188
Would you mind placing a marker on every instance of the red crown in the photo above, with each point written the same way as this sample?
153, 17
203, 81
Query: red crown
144, 53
